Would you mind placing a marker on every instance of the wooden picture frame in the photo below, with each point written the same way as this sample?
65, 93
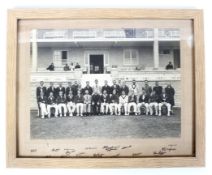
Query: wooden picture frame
198, 105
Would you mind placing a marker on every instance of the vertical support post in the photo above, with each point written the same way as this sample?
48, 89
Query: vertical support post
156, 49
34, 50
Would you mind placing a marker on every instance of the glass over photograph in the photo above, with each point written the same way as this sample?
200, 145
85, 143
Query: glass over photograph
105, 88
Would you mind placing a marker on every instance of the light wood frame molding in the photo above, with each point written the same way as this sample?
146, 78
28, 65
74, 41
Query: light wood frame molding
14, 15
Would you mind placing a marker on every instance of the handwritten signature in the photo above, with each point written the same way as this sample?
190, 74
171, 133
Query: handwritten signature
165, 149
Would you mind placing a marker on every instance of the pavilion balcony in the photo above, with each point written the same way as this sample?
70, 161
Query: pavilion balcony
106, 34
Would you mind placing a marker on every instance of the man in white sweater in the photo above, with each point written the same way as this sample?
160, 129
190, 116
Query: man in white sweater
123, 102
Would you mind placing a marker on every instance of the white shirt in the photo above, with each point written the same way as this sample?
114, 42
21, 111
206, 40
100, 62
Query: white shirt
97, 88
134, 88
123, 99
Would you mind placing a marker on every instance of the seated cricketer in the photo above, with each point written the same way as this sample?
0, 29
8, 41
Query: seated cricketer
61, 104
87, 103
164, 100
95, 103
153, 103
132, 100
70, 103
104, 102
143, 100
79, 101
114, 100
51, 103
123, 102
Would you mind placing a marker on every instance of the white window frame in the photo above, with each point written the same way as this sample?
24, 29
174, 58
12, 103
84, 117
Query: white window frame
131, 63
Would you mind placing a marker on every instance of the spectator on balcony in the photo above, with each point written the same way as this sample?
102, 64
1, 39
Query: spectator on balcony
71, 66
66, 67
169, 66
77, 66
50, 67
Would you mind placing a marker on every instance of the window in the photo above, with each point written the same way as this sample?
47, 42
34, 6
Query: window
130, 57
60, 57
164, 51
64, 57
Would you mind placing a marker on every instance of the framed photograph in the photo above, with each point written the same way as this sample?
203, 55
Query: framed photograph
105, 88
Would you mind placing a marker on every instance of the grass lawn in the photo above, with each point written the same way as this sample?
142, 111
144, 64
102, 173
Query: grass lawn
106, 126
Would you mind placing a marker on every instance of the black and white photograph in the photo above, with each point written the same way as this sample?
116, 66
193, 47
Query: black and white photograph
110, 83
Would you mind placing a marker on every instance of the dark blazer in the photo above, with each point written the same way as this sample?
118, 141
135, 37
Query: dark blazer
70, 98
132, 98
147, 89
42, 99
51, 101
39, 89
169, 66
107, 88
50, 67
114, 99
158, 90
125, 89
154, 98
170, 92
61, 99
53, 90
79, 99
68, 89
89, 88
145, 99
95, 98
60, 89
104, 99
164, 98
117, 88
75, 89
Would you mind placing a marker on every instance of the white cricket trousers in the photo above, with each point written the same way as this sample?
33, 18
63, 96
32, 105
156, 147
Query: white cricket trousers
71, 108
143, 104
79, 107
43, 110
49, 107
60, 106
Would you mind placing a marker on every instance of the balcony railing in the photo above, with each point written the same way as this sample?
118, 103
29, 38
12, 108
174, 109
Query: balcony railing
107, 33
169, 33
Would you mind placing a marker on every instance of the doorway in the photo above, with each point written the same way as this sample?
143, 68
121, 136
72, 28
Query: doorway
97, 64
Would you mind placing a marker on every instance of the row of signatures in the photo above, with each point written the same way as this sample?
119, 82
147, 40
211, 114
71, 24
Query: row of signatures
71, 152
